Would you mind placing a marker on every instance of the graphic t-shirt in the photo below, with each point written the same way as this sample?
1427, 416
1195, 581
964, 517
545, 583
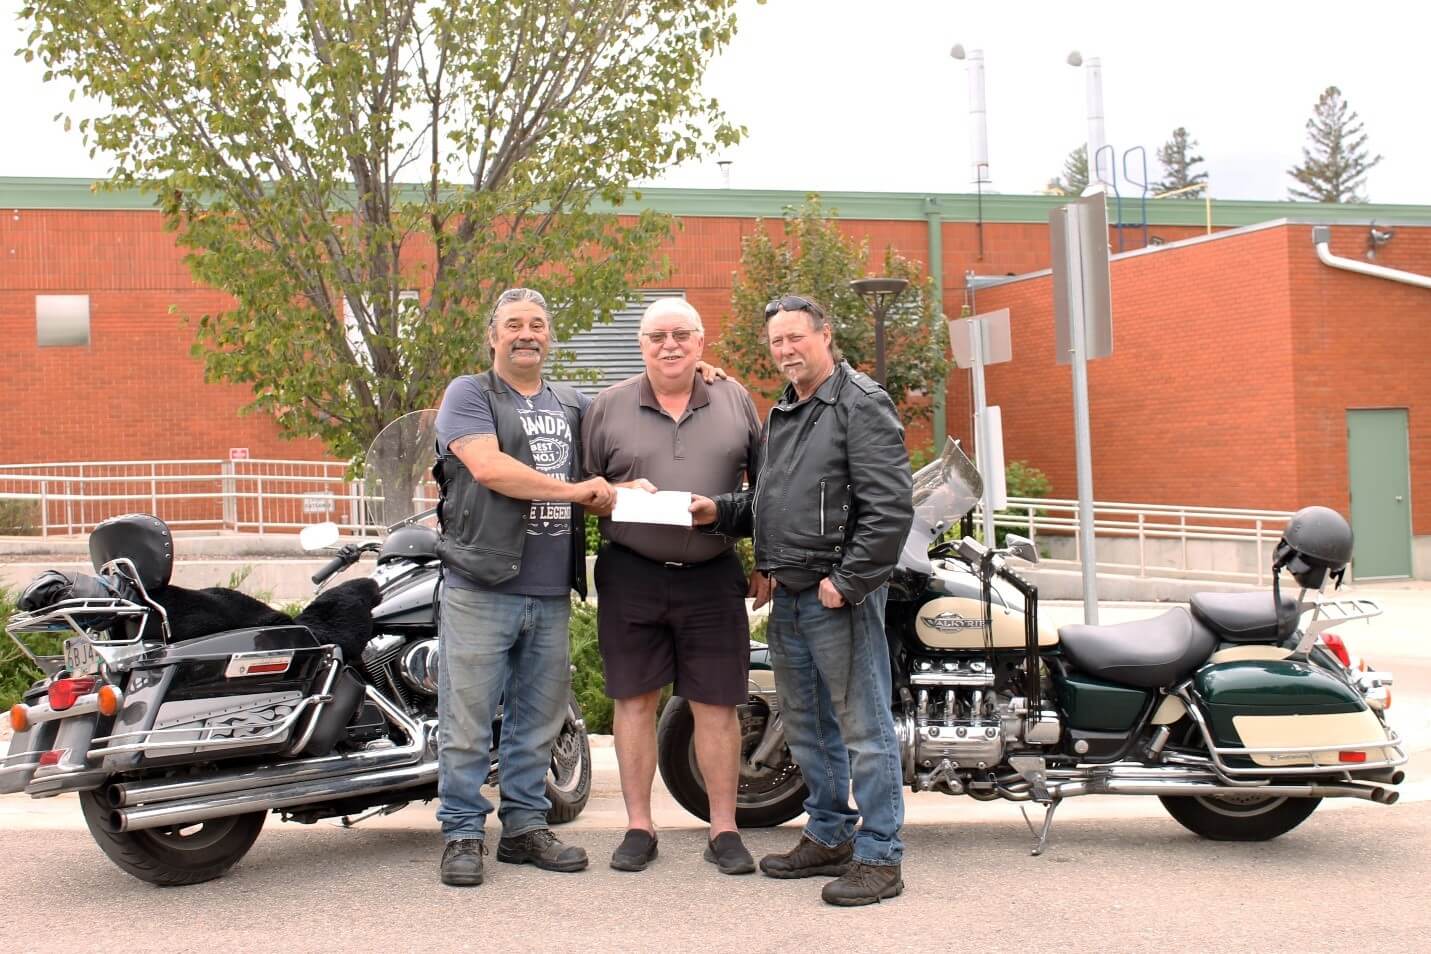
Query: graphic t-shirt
546, 557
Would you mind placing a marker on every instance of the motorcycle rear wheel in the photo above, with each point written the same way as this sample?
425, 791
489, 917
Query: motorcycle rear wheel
764, 798
188, 854
1239, 817
569, 778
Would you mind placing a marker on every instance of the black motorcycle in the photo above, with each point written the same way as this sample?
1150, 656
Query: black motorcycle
182, 718
1241, 712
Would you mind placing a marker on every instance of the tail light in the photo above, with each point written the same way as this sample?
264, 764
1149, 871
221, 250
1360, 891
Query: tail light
1338, 648
19, 717
65, 692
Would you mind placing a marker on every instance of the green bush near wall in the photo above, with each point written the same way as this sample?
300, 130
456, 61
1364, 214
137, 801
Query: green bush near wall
16, 671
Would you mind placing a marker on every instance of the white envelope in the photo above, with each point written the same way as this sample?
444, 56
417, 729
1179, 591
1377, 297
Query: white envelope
670, 507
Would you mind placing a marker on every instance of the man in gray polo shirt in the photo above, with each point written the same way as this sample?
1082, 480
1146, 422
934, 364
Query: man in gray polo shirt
671, 600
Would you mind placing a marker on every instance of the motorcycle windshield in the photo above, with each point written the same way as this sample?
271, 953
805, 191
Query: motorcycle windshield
397, 470
946, 488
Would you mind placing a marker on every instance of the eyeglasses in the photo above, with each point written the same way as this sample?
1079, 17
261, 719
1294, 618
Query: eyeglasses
792, 303
679, 336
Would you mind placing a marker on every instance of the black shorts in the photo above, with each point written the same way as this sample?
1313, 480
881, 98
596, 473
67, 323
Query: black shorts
659, 624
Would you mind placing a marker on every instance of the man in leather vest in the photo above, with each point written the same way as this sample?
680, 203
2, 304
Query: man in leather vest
830, 512
512, 549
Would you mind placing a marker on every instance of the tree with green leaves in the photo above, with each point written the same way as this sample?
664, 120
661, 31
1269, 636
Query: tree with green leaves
1336, 159
1075, 174
1178, 160
362, 177
815, 258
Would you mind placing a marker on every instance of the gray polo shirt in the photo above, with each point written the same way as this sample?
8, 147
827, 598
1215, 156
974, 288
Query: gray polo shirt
626, 434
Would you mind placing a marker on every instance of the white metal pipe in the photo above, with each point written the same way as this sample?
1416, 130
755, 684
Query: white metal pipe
1322, 237
978, 120
1093, 75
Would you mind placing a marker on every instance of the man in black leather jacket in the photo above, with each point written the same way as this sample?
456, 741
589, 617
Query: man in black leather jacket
829, 513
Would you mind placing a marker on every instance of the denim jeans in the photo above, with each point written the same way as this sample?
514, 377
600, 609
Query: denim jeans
832, 676
509, 649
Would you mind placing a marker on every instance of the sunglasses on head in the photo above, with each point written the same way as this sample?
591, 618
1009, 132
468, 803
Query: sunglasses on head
792, 303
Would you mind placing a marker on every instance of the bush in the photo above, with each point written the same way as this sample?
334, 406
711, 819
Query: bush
19, 518
588, 681
17, 673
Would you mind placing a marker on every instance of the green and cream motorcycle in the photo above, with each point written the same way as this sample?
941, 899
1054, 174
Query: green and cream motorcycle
1240, 711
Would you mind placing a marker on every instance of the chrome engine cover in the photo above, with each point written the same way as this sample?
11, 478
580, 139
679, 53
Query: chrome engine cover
419, 666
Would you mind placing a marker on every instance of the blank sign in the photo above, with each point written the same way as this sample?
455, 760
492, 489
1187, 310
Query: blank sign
61, 320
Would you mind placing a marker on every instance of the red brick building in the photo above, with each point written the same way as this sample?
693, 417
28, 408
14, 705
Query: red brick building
1236, 356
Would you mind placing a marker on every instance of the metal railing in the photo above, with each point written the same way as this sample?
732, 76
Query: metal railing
285, 495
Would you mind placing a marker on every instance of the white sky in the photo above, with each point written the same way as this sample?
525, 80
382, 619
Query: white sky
862, 94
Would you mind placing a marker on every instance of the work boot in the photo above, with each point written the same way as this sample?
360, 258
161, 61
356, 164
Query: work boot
727, 852
462, 862
541, 848
636, 851
863, 884
809, 859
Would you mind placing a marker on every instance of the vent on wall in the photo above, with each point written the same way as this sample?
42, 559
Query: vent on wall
61, 320
612, 349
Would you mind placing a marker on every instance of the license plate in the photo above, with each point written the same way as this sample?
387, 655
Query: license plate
81, 658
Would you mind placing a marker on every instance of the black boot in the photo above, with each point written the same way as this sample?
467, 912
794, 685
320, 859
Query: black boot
809, 859
863, 884
541, 848
462, 862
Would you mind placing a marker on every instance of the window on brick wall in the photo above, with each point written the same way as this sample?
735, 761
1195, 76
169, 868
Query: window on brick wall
61, 320
612, 350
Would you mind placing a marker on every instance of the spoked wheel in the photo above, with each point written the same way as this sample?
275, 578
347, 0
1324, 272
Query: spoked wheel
767, 795
1239, 816
569, 778
182, 854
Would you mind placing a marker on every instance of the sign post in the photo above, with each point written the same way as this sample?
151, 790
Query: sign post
1083, 319
976, 342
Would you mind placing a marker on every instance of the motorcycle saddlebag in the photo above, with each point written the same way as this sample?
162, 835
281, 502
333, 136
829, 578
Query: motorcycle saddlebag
241, 693
1288, 708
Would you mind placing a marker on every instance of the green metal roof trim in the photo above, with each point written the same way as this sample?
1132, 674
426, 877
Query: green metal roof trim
54, 193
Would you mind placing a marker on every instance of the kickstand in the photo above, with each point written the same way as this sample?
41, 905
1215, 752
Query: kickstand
1041, 834
351, 821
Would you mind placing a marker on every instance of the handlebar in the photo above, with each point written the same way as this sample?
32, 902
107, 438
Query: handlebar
347, 556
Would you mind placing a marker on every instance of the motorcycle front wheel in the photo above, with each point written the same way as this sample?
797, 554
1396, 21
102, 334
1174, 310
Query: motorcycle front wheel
766, 796
569, 778
183, 854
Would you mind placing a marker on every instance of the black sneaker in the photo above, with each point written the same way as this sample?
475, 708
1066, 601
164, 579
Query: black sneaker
863, 884
462, 862
727, 852
636, 851
541, 848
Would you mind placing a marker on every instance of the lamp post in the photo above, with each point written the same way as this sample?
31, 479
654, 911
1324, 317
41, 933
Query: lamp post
879, 294
1093, 74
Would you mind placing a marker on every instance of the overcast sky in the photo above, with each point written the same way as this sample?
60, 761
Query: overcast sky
863, 95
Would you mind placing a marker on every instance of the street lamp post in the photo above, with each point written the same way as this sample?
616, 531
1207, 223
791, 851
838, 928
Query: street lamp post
879, 294
1093, 88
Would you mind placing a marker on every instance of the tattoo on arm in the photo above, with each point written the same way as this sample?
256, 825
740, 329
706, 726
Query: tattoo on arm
456, 446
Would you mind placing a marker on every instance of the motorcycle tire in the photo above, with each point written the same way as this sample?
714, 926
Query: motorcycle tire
1240, 817
569, 778
188, 854
765, 799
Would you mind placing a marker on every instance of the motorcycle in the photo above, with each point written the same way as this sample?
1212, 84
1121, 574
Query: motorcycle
179, 748
1235, 713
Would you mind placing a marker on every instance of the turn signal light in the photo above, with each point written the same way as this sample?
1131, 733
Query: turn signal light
109, 699
65, 692
19, 717
1351, 756
1338, 648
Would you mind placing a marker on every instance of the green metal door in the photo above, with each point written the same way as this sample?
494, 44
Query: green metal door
1380, 469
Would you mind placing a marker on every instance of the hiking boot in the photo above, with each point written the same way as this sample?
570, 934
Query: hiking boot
541, 848
636, 851
863, 884
727, 852
809, 859
462, 862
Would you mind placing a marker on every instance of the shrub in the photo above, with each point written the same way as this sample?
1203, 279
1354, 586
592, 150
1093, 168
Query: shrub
17, 673
19, 518
588, 681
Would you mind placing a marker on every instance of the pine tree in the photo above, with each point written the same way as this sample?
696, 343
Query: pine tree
1075, 174
1178, 161
1335, 163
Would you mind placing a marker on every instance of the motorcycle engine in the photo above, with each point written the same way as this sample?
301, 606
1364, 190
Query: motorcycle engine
966, 714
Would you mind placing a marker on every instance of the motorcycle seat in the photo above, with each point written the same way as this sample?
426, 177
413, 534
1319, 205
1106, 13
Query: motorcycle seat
1246, 617
1148, 653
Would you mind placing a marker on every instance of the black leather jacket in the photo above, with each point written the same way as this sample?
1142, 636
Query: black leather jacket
832, 496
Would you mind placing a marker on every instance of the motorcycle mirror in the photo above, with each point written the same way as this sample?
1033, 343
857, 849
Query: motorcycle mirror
318, 536
1021, 547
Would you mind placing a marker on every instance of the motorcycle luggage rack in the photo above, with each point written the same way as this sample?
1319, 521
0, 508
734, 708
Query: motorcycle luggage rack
275, 731
1327, 613
78, 617
1253, 775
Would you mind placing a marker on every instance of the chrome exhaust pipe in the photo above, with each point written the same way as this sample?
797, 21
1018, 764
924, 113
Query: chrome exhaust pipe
130, 794
1149, 786
190, 811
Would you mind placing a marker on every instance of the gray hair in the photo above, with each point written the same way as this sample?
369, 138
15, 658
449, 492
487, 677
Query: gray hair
677, 306
513, 295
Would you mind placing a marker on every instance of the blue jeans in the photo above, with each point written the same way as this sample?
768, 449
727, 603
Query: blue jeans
496, 647
832, 677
